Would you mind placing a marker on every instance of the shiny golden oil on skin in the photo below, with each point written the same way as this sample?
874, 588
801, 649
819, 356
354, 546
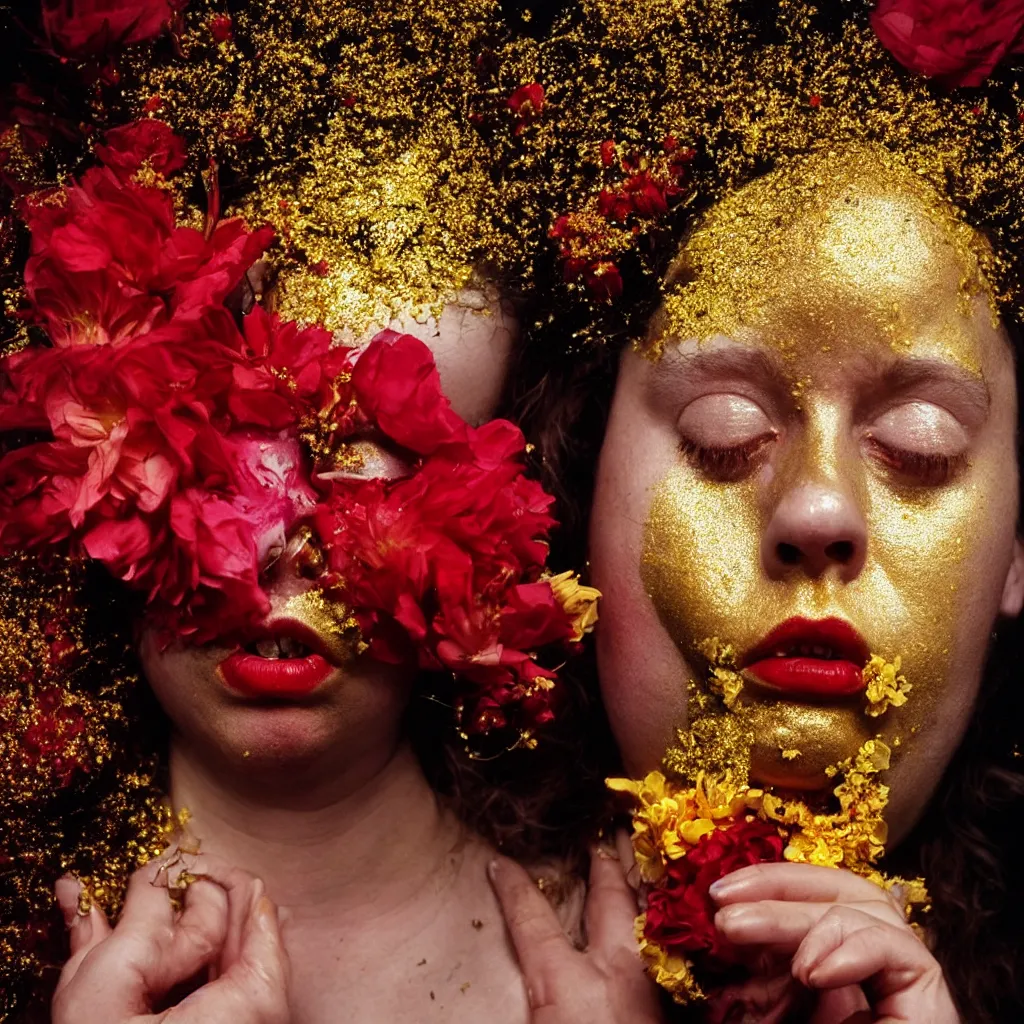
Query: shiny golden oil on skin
842, 278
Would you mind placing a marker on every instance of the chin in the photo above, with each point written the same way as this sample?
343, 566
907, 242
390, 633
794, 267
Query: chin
274, 736
796, 743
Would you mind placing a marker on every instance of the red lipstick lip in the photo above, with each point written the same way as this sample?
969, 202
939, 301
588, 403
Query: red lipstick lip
283, 678
840, 674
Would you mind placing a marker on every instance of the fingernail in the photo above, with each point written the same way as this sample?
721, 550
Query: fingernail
83, 925
258, 890
66, 890
735, 916
604, 851
265, 912
716, 890
492, 869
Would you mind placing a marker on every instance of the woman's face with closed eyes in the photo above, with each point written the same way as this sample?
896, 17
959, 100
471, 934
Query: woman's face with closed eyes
814, 461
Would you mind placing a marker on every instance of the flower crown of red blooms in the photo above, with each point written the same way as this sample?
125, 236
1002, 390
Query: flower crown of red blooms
157, 410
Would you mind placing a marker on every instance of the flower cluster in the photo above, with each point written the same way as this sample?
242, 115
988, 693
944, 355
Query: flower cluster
639, 193
176, 449
686, 837
442, 566
960, 42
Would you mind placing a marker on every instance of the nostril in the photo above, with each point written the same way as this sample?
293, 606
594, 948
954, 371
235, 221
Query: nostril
789, 554
840, 551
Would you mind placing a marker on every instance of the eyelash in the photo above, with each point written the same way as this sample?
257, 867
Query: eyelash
926, 470
725, 463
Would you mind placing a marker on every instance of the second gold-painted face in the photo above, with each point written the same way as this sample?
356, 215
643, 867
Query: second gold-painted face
843, 412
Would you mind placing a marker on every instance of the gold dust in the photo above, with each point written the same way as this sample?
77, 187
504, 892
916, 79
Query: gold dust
80, 768
349, 123
847, 242
332, 621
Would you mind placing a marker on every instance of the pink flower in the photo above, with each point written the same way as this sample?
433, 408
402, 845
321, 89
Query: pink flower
959, 42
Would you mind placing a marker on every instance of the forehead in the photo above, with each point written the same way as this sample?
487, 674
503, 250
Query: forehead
835, 249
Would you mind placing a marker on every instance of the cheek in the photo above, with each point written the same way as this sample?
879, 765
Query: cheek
643, 675
701, 556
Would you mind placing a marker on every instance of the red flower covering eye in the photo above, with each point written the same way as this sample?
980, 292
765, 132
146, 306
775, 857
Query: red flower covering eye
959, 42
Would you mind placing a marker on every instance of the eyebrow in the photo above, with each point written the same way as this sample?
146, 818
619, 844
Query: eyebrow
676, 367
960, 385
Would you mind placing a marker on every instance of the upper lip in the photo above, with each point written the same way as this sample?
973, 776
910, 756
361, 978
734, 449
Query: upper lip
294, 629
837, 638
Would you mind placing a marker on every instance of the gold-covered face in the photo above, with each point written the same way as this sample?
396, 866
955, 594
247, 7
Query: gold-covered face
829, 434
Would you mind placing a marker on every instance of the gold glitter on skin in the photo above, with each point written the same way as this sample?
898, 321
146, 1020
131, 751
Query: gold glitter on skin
332, 622
926, 545
846, 229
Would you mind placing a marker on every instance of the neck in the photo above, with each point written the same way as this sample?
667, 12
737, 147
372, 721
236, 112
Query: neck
368, 839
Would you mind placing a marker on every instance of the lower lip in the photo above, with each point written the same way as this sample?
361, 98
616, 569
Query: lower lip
810, 676
274, 677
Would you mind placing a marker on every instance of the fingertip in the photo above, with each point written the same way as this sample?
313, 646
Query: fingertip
67, 891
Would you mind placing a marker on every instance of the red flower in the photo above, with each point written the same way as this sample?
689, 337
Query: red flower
109, 263
959, 42
222, 28
527, 103
87, 28
680, 913
147, 142
437, 563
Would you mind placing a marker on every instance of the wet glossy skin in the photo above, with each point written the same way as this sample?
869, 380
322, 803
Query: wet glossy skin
355, 716
838, 443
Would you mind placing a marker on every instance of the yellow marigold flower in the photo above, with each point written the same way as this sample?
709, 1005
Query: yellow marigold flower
672, 973
579, 602
886, 686
668, 819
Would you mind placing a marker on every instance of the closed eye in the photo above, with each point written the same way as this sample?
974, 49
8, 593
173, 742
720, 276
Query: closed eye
727, 464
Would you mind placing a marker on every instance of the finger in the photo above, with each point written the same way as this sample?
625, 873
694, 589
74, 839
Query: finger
611, 908
624, 848
198, 936
84, 930
147, 903
540, 943
848, 948
263, 963
240, 887
806, 883
783, 926
255, 987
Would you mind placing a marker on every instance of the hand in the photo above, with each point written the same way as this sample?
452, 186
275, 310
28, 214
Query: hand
228, 930
606, 983
848, 939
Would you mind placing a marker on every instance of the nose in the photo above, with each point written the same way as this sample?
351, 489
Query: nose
815, 528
